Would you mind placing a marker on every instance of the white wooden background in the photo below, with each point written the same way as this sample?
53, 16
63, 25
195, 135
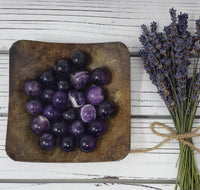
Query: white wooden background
94, 21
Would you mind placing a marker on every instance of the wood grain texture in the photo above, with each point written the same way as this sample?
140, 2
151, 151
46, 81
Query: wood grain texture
28, 59
94, 21
83, 21
77, 186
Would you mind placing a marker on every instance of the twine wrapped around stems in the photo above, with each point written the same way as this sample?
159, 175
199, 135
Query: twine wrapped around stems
168, 137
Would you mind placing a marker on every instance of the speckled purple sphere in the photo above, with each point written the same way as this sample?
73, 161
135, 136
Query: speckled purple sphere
88, 113
34, 107
47, 141
60, 100
68, 143
87, 143
76, 98
80, 79
100, 76
39, 124
59, 128
51, 113
97, 127
33, 88
77, 128
95, 95
47, 95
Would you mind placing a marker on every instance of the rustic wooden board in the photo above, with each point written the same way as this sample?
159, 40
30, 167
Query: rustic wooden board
27, 60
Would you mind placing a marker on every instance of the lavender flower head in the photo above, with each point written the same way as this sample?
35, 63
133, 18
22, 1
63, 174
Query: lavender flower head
167, 56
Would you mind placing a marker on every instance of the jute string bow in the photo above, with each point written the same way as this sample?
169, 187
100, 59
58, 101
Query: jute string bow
179, 137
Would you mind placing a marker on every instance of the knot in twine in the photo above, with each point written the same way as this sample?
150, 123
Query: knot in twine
179, 137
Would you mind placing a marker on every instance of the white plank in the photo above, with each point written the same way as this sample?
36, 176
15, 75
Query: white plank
88, 186
134, 166
99, 21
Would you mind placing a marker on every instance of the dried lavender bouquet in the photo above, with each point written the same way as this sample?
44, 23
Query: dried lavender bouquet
167, 56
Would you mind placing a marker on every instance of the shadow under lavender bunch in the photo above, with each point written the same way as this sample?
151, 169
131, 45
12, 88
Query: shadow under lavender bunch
167, 56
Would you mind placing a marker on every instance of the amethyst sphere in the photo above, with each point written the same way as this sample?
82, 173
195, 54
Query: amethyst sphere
59, 128
64, 85
95, 95
88, 113
60, 100
97, 127
79, 59
34, 107
80, 79
47, 78
87, 143
105, 110
77, 128
39, 124
76, 98
63, 67
47, 95
68, 143
100, 76
47, 141
33, 88
51, 113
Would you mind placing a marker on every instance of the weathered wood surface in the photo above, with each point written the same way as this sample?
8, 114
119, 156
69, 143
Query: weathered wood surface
94, 21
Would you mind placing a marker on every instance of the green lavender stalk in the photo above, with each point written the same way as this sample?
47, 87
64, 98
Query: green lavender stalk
167, 57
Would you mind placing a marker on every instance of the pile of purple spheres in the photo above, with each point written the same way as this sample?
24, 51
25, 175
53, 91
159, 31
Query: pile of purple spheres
69, 105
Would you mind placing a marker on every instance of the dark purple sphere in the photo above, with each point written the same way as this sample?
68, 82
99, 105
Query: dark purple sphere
64, 85
87, 143
77, 128
60, 100
34, 107
79, 59
39, 124
68, 143
100, 76
59, 128
47, 95
51, 113
33, 88
47, 141
47, 78
88, 113
95, 95
63, 67
97, 127
70, 114
105, 109
76, 98
80, 79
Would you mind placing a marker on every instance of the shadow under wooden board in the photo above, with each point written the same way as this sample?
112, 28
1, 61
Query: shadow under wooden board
27, 60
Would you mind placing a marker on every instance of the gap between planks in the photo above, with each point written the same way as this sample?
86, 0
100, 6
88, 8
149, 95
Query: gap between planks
107, 179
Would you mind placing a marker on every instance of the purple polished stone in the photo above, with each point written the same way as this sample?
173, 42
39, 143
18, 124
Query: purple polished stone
51, 113
39, 124
60, 100
76, 98
34, 107
33, 88
80, 79
88, 113
97, 127
87, 143
95, 95
47, 141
